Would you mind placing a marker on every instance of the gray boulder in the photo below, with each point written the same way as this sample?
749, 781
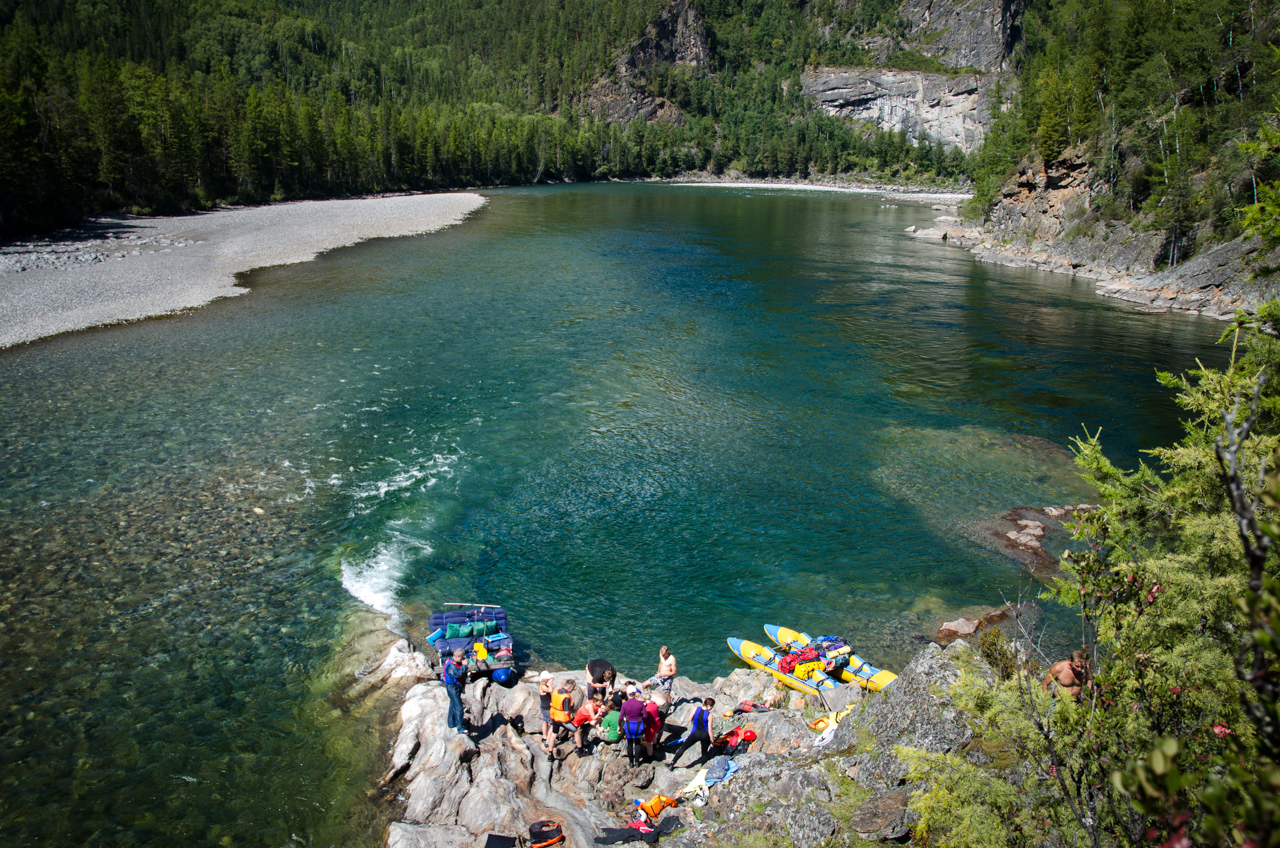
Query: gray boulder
916, 712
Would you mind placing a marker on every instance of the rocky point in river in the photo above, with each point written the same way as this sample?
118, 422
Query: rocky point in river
453, 790
1046, 217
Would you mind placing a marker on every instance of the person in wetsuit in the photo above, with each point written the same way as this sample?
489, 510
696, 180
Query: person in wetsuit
699, 731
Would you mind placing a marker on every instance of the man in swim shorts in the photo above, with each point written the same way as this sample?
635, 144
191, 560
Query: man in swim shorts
666, 672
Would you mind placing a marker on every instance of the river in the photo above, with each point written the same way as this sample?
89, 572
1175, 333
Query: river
632, 414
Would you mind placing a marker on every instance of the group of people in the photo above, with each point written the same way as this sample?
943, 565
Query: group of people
618, 710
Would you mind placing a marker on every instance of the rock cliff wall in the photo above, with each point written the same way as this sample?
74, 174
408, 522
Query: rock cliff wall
979, 34
677, 37
953, 110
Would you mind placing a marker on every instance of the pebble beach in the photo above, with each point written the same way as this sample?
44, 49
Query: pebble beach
119, 268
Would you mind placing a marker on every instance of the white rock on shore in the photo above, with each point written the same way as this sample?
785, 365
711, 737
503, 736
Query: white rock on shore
140, 267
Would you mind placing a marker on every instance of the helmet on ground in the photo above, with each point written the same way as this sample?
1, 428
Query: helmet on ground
501, 675
749, 736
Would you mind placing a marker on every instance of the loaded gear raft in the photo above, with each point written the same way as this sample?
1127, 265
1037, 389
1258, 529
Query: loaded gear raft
480, 630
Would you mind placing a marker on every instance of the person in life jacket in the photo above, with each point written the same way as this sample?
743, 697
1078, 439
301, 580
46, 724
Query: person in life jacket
454, 675
562, 708
699, 731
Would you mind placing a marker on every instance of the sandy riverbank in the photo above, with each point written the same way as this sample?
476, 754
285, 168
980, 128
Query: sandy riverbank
120, 269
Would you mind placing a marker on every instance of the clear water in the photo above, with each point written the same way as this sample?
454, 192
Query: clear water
633, 415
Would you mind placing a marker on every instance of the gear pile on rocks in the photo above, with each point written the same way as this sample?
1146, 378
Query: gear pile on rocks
455, 790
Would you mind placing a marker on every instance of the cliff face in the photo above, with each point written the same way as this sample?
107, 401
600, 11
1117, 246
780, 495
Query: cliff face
677, 37
953, 110
980, 34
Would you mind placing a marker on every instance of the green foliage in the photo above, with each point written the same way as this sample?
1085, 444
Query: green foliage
161, 105
965, 805
1165, 98
993, 646
1177, 730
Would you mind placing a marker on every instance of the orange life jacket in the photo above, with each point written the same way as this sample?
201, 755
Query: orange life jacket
656, 805
561, 704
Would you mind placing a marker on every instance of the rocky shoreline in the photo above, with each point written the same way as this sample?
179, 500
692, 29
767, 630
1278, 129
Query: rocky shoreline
1048, 217
794, 785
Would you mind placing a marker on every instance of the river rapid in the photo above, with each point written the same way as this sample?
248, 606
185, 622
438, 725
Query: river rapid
632, 414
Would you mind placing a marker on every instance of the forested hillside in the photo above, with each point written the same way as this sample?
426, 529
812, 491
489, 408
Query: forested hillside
1165, 99
159, 105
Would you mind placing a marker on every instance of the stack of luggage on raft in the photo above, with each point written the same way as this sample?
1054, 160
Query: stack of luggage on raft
810, 665
480, 630
823, 653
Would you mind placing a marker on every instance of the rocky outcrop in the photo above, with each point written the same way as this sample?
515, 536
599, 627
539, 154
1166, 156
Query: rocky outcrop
953, 110
915, 712
1046, 218
454, 789
979, 34
678, 37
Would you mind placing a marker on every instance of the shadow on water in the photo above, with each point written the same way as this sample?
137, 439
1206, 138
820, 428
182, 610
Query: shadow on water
633, 415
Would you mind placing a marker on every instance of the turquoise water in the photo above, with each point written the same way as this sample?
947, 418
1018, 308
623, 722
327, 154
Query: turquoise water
633, 415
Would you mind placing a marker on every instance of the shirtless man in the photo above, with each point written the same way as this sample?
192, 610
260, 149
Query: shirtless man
1072, 674
666, 672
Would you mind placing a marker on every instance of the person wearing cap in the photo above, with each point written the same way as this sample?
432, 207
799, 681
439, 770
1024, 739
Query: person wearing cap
546, 684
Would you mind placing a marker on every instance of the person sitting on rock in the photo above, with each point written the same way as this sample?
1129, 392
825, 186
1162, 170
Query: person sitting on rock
1072, 674
454, 675
666, 672
699, 731
600, 677
590, 713
609, 729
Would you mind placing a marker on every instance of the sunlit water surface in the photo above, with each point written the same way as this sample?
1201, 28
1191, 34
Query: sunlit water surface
633, 415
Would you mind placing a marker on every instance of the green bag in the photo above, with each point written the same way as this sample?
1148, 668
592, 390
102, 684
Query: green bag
465, 630
490, 627
451, 631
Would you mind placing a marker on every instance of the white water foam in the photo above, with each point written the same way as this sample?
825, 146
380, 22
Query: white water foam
376, 578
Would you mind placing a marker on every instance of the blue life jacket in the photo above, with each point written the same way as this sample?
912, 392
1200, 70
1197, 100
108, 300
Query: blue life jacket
453, 673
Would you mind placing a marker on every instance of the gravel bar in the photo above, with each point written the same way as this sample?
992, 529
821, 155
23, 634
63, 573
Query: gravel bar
118, 269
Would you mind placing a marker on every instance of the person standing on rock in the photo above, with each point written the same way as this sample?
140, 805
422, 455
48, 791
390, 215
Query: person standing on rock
666, 672
632, 722
546, 685
653, 720
699, 731
454, 675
